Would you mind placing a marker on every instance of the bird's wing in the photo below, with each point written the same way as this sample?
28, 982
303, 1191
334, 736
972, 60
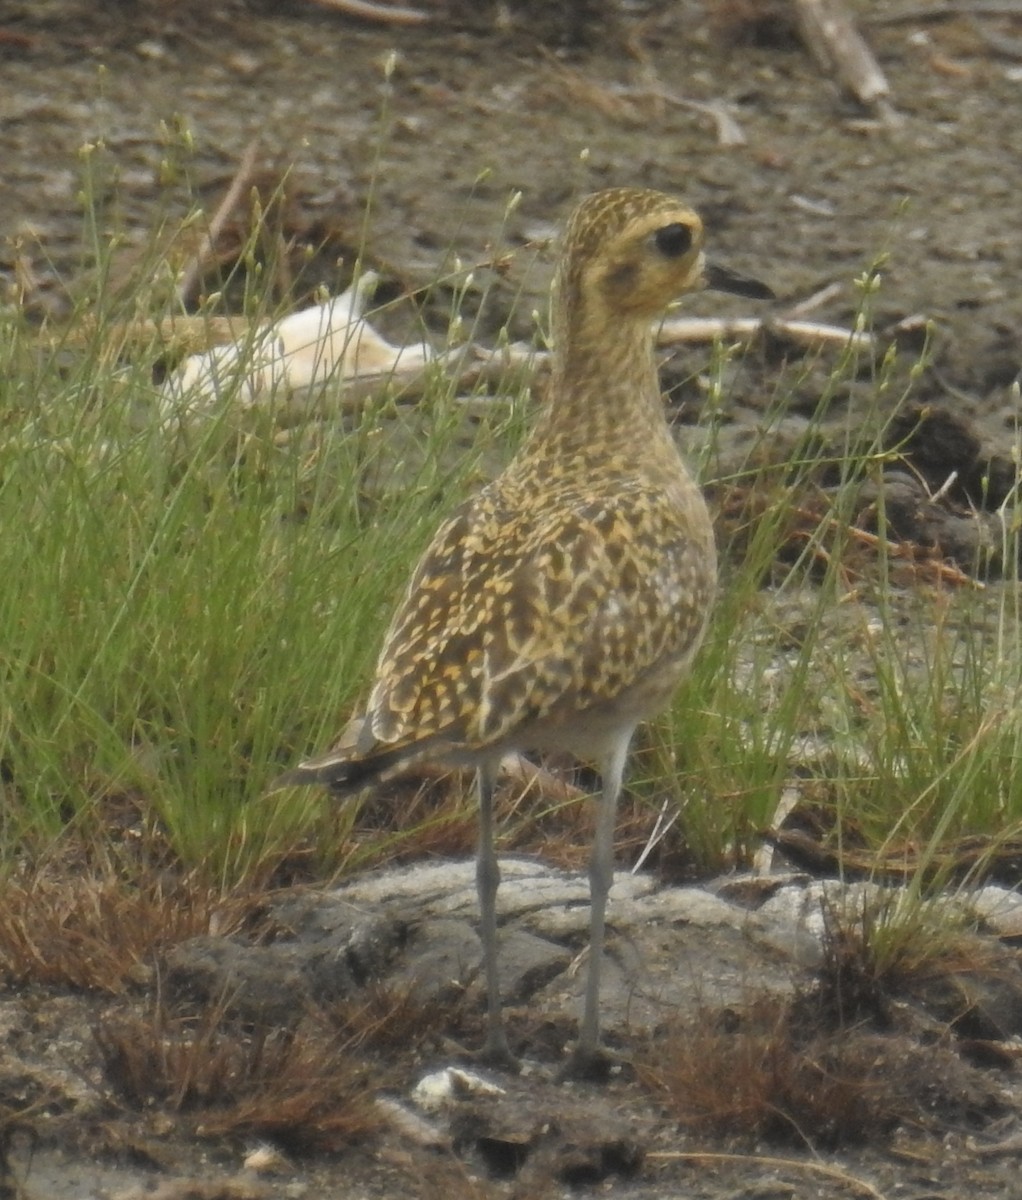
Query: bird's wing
506, 619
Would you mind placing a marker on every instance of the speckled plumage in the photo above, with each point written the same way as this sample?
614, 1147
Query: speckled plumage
560, 605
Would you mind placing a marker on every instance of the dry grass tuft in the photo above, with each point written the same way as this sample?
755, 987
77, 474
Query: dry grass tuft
396, 1022
432, 812
302, 1088
854, 985
756, 1080
870, 1046
99, 932
773, 1077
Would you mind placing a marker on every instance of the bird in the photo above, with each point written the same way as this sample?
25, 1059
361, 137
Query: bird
560, 605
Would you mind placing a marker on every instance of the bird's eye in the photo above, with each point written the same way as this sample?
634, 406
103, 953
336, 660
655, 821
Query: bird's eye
673, 240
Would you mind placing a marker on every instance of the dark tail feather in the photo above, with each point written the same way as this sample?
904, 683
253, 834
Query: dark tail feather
341, 774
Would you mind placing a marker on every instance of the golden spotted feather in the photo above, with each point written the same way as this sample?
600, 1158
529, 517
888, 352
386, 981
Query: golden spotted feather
561, 604
528, 611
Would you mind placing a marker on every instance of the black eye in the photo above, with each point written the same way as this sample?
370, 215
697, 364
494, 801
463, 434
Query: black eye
673, 240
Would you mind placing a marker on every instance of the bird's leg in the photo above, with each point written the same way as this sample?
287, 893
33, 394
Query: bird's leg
495, 1049
586, 1058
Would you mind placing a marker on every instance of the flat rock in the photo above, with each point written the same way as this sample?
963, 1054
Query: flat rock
415, 929
670, 951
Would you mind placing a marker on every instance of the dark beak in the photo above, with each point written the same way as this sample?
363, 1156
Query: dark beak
722, 279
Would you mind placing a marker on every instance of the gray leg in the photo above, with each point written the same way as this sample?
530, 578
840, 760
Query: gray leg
495, 1048
586, 1055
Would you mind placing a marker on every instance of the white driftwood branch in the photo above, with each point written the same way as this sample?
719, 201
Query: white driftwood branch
683, 330
389, 14
838, 46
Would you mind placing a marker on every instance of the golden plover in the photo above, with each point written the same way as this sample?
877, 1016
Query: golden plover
561, 605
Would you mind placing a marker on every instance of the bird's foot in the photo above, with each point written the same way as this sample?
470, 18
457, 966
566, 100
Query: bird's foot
497, 1054
590, 1064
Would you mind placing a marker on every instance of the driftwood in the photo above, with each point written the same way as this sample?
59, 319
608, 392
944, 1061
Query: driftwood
849, 1184
936, 10
685, 330
390, 14
637, 104
478, 365
838, 47
992, 859
469, 367
193, 270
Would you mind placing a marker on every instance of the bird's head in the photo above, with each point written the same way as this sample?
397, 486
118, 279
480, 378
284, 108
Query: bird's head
630, 252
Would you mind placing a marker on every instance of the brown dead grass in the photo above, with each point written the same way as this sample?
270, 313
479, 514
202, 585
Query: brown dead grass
302, 1088
397, 1024
773, 1077
862, 1051
434, 813
94, 930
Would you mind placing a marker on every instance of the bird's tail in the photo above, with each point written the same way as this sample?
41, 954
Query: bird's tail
357, 761
342, 772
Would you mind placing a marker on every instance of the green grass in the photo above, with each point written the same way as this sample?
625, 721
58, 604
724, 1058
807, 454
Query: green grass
887, 695
191, 605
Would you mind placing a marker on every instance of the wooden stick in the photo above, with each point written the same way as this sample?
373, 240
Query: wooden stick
838, 46
934, 10
817, 300
536, 779
207, 246
391, 14
687, 330
796, 1165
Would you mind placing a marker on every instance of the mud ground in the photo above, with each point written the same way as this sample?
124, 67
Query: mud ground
483, 101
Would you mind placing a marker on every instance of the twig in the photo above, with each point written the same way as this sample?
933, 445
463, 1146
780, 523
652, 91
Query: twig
945, 571
193, 269
19, 41
493, 365
765, 1160
838, 46
614, 103
1009, 1146
763, 860
531, 777
817, 300
661, 829
391, 14
729, 132
911, 552
744, 329
935, 11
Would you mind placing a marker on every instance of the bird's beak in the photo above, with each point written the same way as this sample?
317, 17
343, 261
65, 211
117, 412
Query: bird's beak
723, 279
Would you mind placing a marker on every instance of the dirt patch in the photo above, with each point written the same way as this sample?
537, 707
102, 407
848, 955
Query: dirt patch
414, 156
325, 1045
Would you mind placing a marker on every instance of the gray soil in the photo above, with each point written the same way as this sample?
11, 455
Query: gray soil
555, 104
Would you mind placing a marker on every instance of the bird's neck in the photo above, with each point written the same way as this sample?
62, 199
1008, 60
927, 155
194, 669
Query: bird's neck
604, 393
